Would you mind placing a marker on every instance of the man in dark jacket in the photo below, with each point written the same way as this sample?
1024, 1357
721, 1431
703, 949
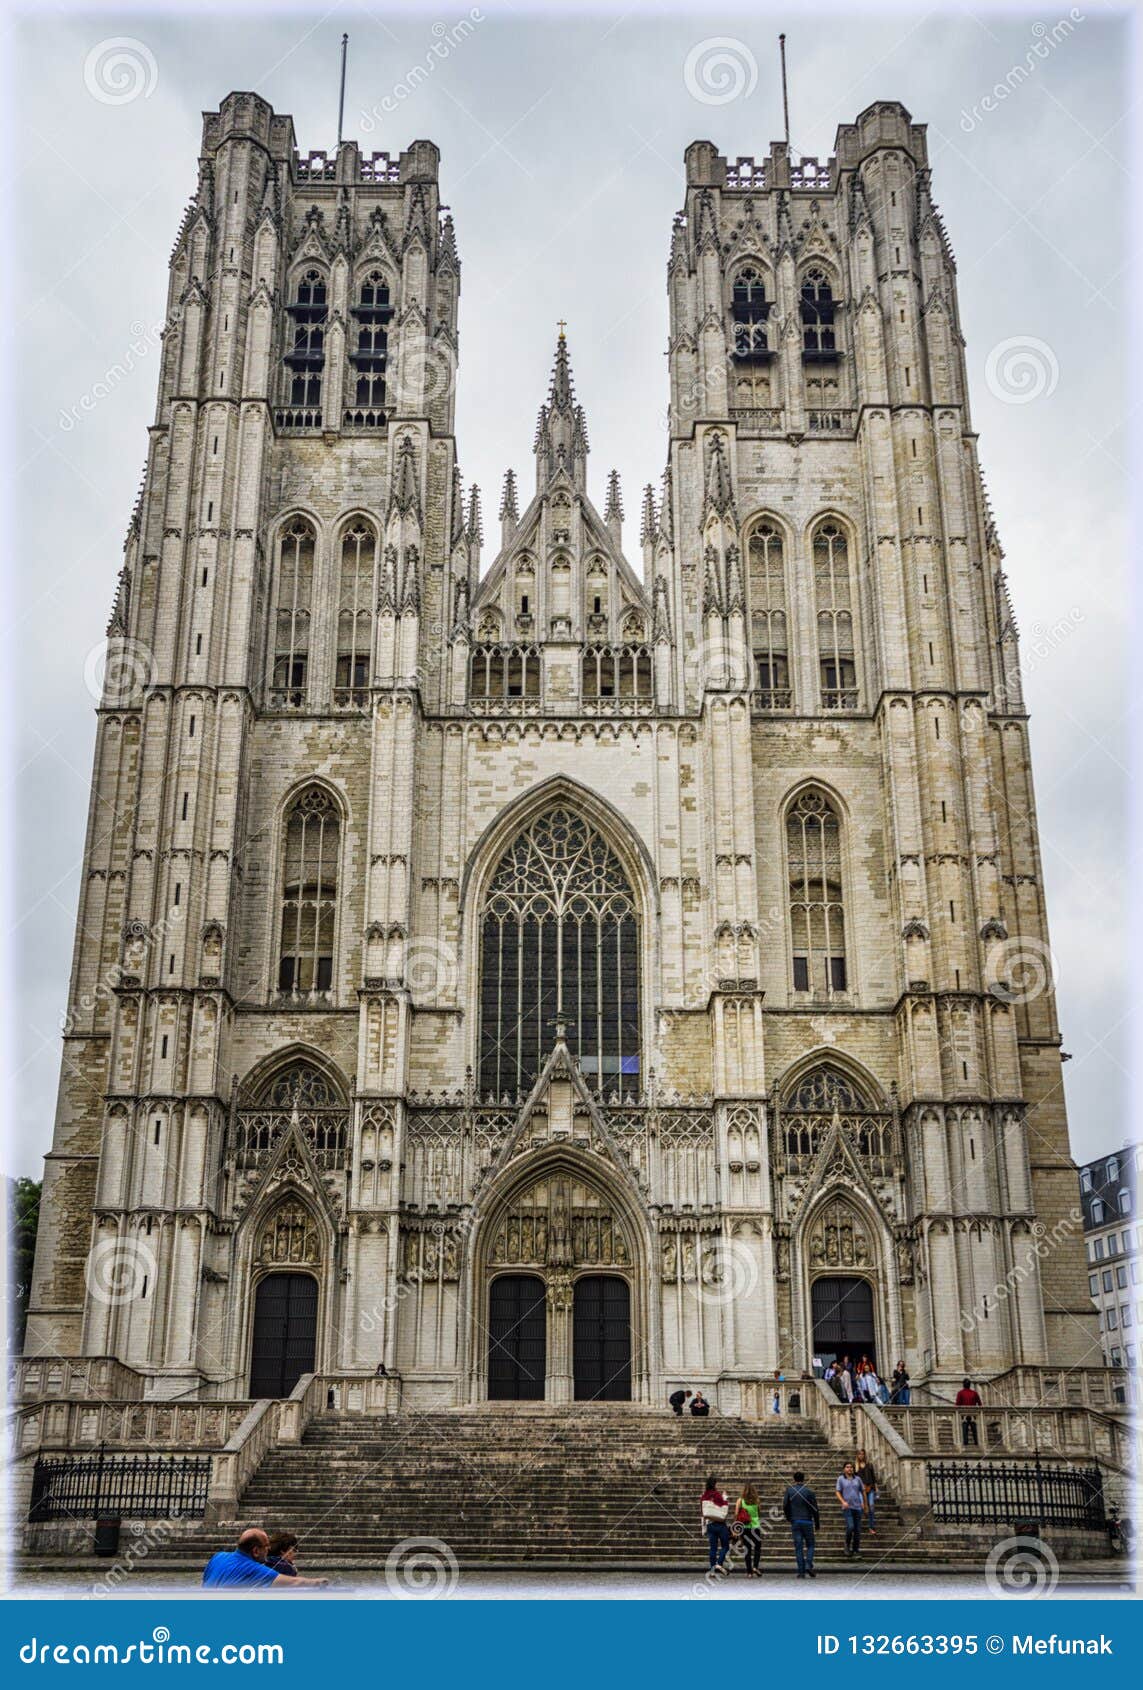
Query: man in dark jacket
800, 1506
677, 1399
700, 1406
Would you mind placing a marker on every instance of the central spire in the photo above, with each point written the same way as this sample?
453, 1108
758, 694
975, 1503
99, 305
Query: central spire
561, 428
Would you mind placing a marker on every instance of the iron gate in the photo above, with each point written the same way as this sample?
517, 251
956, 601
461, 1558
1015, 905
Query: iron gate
134, 1487
986, 1493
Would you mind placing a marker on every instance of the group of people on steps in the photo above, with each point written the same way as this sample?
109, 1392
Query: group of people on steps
726, 1526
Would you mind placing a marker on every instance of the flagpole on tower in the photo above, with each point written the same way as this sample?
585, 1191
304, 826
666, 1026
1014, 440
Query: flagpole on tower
785, 96
341, 96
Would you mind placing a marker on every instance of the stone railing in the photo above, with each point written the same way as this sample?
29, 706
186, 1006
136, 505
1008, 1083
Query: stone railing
1049, 1387
1066, 1432
69, 1425
274, 1422
53, 1377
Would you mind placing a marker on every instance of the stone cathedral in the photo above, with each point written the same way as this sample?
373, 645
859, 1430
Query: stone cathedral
595, 967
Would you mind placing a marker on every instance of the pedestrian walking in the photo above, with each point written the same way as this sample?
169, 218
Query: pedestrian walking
748, 1515
800, 1506
850, 1493
866, 1472
968, 1397
715, 1507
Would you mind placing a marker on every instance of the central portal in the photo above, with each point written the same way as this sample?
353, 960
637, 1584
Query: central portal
517, 1338
601, 1346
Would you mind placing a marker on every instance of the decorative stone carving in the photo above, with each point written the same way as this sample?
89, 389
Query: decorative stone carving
839, 1237
561, 1222
289, 1238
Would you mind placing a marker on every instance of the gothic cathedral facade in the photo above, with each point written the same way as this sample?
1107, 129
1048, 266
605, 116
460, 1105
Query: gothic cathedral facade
562, 979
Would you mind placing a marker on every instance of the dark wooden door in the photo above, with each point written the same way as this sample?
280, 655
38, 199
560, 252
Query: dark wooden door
285, 1333
601, 1355
517, 1338
843, 1319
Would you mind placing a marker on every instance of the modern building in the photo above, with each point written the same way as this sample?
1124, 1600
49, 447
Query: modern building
1108, 1189
588, 968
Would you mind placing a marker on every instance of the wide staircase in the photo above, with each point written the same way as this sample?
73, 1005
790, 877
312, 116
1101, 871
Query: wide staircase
577, 1486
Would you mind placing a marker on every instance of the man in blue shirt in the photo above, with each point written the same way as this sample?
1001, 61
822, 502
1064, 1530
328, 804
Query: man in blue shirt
246, 1566
851, 1494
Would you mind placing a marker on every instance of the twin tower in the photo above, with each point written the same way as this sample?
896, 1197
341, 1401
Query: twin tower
589, 972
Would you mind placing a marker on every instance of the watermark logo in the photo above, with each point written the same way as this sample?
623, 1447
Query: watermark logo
719, 70
118, 1269
426, 372
118, 671
1020, 970
119, 70
430, 968
423, 1567
1021, 1566
1021, 370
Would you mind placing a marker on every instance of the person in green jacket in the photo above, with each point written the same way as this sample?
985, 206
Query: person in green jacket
748, 1514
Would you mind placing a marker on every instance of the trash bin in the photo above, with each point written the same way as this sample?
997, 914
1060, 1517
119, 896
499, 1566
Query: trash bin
107, 1536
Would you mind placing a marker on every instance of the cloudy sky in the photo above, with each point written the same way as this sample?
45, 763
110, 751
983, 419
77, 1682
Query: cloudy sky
562, 141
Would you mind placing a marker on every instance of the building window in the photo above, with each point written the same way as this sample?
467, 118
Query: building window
1111, 1171
1085, 1179
355, 616
818, 310
766, 565
559, 936
499, 675
1120, 1276
1099, 1249
749, 312
305, 358
292, 613
1125, 1317
1093, 1284
1125, 1203
1107, 1279
615, 676
309, 894
835, 618
817, 917
1112, 1320
369, 357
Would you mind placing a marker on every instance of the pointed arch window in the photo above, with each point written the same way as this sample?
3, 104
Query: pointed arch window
769, 632
372, 315
834, 597
559, 937
817, 911
818, 312
292, 608
749, 311
309, 895
355, 616
305, 356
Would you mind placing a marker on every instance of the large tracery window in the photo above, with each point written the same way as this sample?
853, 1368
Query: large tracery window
817, 913
295, 586
749, 310
835, 619
818, 312
355, 616
559, 938
372, 314
768, 624
309, 894
305, 355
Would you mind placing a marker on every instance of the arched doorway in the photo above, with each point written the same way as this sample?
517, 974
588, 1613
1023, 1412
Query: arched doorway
285, 1333
601, 1341
517, 1338
843, 1321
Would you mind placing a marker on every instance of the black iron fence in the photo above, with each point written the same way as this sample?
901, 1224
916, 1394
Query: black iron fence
135, 1487
987, 1493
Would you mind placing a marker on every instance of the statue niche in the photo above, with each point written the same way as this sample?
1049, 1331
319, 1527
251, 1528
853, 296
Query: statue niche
560, 1222
839, 1238
288, 1238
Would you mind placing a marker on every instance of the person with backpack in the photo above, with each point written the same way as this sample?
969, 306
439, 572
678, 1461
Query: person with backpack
748, 1516
715, 1507
800, 1506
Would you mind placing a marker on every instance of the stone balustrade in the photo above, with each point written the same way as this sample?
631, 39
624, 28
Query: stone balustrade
53, 1377
1069, 1432
79, 1426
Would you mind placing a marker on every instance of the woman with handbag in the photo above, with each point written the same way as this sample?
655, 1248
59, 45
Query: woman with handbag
747, 1515
715, 1508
